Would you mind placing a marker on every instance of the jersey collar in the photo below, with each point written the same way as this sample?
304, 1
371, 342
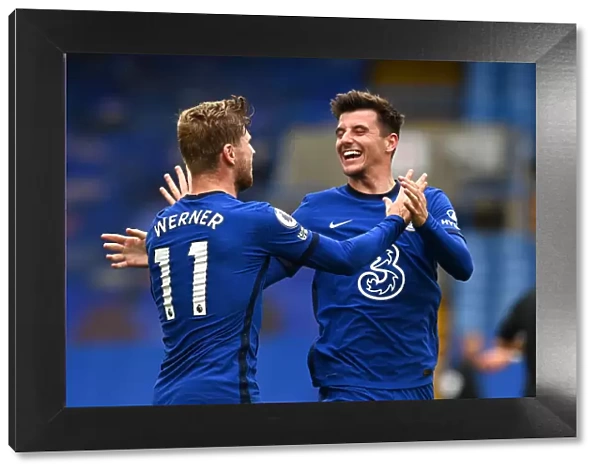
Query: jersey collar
202, 195
392, 193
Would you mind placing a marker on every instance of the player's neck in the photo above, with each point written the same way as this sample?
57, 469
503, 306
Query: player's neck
209, 183
372, 184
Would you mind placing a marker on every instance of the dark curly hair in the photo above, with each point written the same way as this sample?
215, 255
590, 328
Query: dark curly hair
354, 100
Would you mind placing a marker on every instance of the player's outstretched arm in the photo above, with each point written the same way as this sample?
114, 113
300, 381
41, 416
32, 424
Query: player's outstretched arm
306, 248
350, 256
279, 270
128, 251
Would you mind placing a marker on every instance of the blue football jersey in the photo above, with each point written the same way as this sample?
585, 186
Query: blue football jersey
208, 255
377, 328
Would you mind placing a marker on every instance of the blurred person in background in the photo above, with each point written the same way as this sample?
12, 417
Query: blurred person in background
516, 333
515, 336
209, 241
378, 333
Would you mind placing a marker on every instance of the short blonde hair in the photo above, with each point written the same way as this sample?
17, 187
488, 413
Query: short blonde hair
204, 130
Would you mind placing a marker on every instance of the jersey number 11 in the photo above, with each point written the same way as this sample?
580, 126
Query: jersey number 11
199, 250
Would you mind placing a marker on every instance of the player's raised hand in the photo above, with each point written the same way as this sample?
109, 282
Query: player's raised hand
422, 182
129, 251
176, 192
398, 206
415, 201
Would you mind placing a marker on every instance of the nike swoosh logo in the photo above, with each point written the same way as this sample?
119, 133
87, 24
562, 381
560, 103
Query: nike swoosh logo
335, 225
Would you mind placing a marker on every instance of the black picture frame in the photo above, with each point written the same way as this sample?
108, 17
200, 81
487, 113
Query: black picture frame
41, 40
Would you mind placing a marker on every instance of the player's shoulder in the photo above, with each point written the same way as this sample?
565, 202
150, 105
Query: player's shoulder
431, 191
172, 209
263, 212
164, 212
168, 209
245, 214
250, 207
436, 196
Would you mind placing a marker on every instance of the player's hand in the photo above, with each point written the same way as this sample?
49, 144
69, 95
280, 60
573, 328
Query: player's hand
130, 251
176, 192
416, 202
494, 359
398, 206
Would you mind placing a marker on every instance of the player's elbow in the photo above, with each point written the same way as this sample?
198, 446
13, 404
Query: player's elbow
348, 262
463, 276
464, 272
346, 268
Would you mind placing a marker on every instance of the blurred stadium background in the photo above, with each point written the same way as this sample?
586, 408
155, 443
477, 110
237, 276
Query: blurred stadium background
470, 126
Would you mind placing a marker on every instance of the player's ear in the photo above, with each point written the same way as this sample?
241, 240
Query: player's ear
228, 154
391, 142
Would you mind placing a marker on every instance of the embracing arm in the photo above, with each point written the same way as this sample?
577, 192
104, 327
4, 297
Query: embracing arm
278, 270
349, 256
302, 247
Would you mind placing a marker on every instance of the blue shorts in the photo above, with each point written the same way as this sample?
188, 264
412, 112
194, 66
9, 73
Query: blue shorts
332, 394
